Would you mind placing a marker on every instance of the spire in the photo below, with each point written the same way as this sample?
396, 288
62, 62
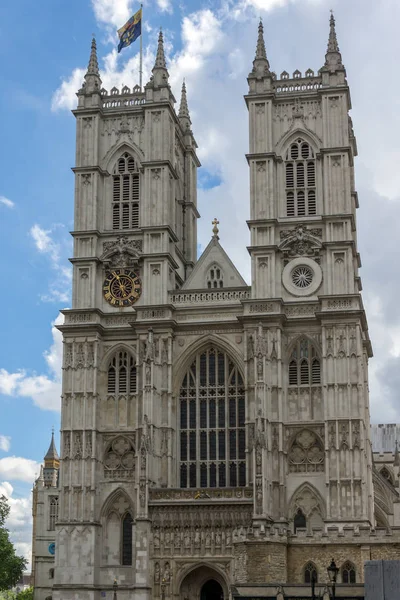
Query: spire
160, 58
333, 58
93, 66
260, 62
184, 116
92, 77
52, 452
260, 50
160, 73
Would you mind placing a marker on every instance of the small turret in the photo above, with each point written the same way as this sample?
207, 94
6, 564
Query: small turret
184, 116
51, 465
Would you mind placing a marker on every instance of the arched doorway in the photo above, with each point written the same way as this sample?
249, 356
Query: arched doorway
211, 590
203, 583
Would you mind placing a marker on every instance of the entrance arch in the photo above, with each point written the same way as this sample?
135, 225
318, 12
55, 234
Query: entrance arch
211, 590
203, 583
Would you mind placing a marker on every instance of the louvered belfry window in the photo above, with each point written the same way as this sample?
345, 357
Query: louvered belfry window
126, 194
122, 375
212, 423
300, 181
304, 364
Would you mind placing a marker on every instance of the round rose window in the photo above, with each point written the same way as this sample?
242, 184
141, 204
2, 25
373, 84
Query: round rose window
302, 276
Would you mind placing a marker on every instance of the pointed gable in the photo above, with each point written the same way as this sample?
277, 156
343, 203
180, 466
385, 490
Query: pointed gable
214, 270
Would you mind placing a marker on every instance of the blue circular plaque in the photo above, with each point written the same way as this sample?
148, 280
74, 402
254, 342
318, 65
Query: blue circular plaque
52, 548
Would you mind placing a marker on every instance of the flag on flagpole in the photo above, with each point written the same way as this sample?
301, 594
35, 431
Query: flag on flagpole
130, 31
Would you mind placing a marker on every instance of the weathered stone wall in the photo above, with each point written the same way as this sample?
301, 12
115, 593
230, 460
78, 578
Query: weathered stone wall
266, 562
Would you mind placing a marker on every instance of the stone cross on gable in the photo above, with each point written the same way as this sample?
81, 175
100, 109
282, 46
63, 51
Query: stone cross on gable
215, 230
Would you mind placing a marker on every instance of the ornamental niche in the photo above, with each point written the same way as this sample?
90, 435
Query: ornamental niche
119, 459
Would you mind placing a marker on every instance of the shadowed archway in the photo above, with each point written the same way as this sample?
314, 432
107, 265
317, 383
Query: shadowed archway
211, 590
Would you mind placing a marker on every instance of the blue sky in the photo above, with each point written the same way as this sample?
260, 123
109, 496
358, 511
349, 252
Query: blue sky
44, 49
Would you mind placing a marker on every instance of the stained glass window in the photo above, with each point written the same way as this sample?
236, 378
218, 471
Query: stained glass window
215, 425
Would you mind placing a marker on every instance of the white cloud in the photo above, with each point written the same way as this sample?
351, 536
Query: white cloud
5, 443
44, 243
59, 287
19, 522
16, 468
6, 202
65, 97
165, 5
44, 390
114, 12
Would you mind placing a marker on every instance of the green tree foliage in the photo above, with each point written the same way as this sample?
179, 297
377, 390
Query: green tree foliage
26, 594
11, 565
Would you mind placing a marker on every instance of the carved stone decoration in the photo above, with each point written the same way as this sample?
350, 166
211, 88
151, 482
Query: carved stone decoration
259, 495
167, 573
122, 252
68, 356
164, 351
355, 432
344, 435
90, 355
67, 444
157, 572
329, 342
300, 241
80, 356
119, 459
88, 449
77, 447
142, 493
306, 454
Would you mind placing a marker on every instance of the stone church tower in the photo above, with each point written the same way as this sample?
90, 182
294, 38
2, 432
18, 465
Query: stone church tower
214, 434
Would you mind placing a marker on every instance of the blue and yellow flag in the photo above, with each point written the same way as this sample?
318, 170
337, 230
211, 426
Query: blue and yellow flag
130, 31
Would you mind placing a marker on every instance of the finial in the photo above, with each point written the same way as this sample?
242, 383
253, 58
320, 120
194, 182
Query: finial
332, 42
215, 230
160, 58
183, 108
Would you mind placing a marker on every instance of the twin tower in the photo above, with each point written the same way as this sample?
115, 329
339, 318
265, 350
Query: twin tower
215, 434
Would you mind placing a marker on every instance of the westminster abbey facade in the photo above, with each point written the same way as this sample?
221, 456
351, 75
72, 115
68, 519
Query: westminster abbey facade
215, 435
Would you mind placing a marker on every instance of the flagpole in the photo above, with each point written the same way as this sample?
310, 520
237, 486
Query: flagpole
141, 51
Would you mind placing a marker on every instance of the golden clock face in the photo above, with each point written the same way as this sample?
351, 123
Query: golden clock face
122, 287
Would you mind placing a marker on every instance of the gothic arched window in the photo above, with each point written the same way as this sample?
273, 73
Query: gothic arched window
51, 573
300, 180
127, 523
304, 364
310, 573
299, 521
126, 194
53, 512
348, 572
215, 277
122, 375
212, 423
